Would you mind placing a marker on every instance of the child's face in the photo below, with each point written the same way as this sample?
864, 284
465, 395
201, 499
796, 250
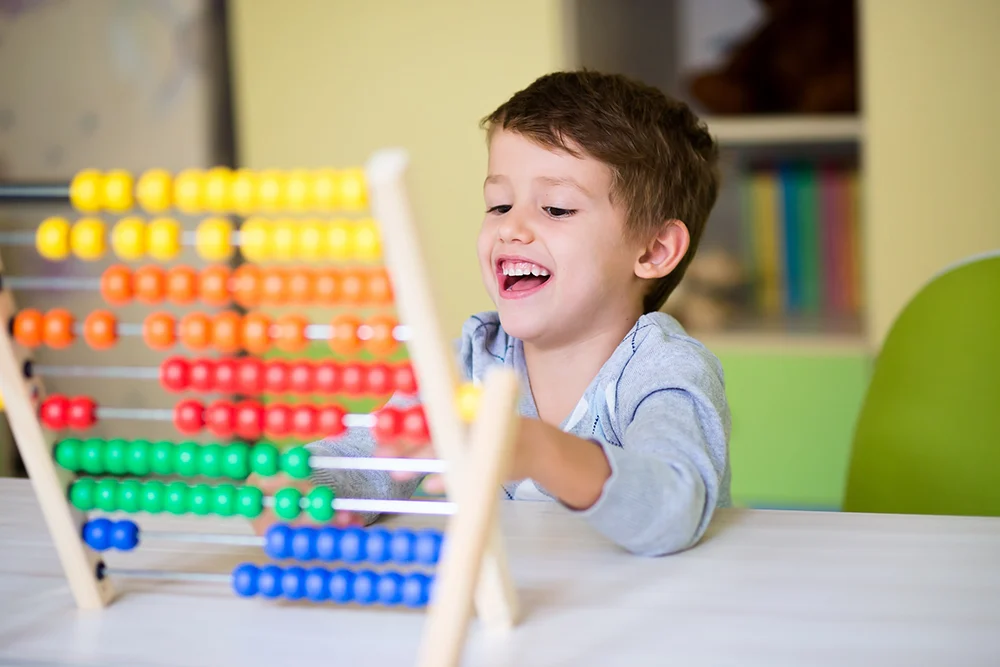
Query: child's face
551, 248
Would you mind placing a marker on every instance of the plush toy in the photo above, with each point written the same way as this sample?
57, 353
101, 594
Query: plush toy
802, 60
711, 293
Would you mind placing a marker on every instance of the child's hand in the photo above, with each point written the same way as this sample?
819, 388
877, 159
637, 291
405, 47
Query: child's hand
271, 485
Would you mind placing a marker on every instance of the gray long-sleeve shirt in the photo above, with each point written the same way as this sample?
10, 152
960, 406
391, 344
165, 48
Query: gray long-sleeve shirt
657, 408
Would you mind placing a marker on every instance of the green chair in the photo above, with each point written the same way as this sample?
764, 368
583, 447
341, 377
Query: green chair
927, 440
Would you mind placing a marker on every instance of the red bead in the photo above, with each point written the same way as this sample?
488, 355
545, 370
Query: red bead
251, 376
276, 377
55, 412
175, 373
225, 376
249, 420
388, 424
300, 377
330, 421
414, 426
352, 379
202, 375
405, 380
378, 380
326, 378
82, 413
278, 420
189, 416
305, 421
220, 418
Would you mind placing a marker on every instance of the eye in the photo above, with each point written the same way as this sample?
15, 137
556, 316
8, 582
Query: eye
557, 212
498, 210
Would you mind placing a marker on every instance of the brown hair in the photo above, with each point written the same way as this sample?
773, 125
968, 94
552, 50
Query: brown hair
662, 158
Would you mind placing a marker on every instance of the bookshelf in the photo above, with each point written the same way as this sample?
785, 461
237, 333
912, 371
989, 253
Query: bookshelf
783, 130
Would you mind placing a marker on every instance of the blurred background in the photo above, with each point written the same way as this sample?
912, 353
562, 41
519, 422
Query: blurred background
860, 147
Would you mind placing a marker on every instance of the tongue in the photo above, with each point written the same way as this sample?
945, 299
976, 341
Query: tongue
525, 283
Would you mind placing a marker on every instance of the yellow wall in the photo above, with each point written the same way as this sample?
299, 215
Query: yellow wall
325, 82
932, 104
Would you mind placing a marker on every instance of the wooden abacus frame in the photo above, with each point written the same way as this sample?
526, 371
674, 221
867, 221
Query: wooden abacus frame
473, 569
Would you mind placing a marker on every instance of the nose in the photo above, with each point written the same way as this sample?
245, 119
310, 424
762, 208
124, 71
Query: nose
515, 229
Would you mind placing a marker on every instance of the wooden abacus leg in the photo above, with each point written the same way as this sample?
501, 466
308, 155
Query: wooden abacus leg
64, 522
473, 524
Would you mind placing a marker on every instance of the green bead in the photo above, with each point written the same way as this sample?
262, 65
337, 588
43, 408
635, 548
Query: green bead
200, 499
92, 456
321, 504
264, 459
68, 454
224, 500
177, 497
115, 453
186, 459
288, 503
130, 496
83, 494
249, 501
295, 463
236, 461
161, 458
138, 457
154, 496
107, 495
211, 461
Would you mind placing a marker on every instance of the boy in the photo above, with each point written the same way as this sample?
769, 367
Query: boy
597, 192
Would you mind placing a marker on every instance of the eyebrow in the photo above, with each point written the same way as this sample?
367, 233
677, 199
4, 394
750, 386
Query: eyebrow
547, 180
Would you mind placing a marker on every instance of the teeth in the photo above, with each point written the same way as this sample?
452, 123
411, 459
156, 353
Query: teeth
522, 269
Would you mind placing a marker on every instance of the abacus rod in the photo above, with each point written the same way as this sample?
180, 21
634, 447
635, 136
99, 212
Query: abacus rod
167, 414
34, 192
116, 372
204, 538
167, 575
320, 332
429, 507
50, 283
378, 463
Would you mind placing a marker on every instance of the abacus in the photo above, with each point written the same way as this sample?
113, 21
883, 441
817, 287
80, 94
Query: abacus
471, 428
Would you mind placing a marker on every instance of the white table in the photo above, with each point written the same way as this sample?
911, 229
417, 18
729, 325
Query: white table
764, 588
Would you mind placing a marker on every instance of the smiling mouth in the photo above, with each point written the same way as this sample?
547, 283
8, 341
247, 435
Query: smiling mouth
519, 277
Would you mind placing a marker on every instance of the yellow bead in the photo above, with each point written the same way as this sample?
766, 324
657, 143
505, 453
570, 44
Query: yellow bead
163, 239
254, 239
271, 190
189, 191
155, 190
52, 239
218, 190
338, 240
467, 401
117, 191
213, 239
298, 190
86, 238
128, 238
325, 190
85, 190
243, 191
353, 192
310, 244
283, 238
366, 241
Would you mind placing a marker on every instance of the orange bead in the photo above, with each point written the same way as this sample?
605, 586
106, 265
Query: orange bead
378, 287
257, 333
28, 326
57, 328
291, 336
159, 331
182, 284
300, 286
149, 284
116, 285
196, 331
226, 329
273, 288
382, 343
352, 286
213, 285
246, 285
100, 330
326, 287
344, 335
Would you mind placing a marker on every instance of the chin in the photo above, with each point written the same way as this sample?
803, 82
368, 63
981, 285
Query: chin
519, 323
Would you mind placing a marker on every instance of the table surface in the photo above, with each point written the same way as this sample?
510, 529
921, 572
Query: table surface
763, 588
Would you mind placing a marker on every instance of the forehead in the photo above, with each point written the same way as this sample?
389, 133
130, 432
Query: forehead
516, 158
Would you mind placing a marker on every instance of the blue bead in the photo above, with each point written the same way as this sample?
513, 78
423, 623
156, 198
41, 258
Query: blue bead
293, 583
317, 582
124, 535
377, 545
352, 545
269, 581
403, 546
304, 543
328, 543
416, 589
341, 585
278, 541
97, 534
428, 546
366, 587
245, 579
390, 588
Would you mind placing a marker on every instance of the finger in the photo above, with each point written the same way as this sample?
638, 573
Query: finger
434, 484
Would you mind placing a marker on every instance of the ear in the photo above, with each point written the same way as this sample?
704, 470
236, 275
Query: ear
664, 251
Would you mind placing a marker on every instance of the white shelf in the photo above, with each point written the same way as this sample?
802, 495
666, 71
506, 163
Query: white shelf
786, 129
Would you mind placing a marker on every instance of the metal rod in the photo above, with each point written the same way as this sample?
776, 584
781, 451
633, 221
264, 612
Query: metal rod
50, 283
429, 507
34, 192
166, 414
166, 575
204, 538
17, 238
117, 372
378, 463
